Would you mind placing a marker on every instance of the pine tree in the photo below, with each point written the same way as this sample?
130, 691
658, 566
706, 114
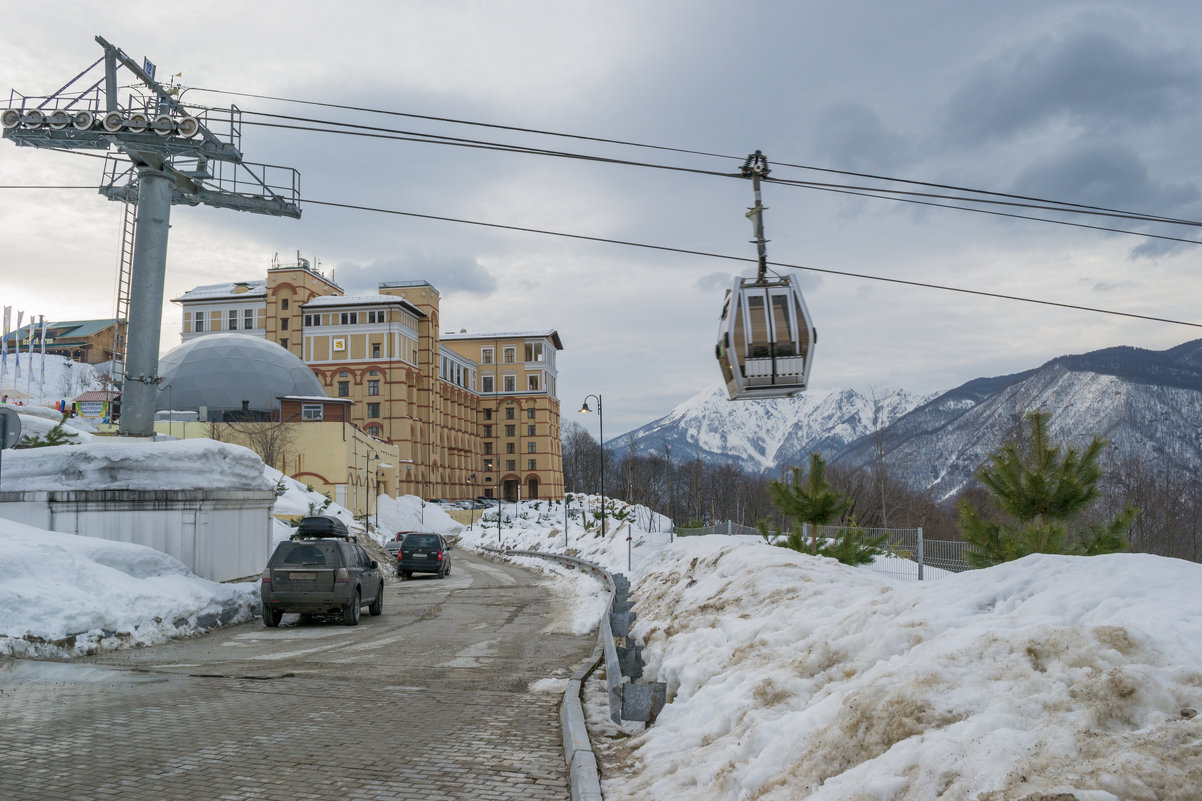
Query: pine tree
55, 436
1040, 487
808, 499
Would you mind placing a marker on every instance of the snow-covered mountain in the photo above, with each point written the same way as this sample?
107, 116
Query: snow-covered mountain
1147, 404
759, 435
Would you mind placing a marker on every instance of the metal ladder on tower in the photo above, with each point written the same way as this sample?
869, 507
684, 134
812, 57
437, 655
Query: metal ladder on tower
125, 263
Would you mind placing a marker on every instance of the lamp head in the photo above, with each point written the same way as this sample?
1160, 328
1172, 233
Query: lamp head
585, 409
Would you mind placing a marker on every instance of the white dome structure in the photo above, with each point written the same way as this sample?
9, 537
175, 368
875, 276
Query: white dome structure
232, 373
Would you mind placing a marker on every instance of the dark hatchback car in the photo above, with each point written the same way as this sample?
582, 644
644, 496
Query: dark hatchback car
321, 571
423, 553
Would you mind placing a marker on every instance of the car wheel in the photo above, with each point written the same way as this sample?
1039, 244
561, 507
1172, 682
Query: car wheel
377, 606
442, 574
350, 612
271, 617
406, 575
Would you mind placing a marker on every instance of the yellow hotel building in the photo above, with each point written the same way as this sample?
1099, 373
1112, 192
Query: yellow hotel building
471, 414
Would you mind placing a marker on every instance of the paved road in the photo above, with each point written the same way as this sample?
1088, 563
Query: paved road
447, 695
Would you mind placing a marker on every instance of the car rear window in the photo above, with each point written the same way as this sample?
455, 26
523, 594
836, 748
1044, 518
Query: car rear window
420, 541
305, 553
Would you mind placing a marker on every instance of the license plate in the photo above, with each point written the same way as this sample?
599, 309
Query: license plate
303, 576
419, 556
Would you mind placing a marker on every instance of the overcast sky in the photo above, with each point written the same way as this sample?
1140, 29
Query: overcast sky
1087, 102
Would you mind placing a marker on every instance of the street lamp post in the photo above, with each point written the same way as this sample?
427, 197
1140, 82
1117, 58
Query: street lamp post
584, 409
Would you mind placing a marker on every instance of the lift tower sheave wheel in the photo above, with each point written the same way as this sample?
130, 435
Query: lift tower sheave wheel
765, 334
171, 155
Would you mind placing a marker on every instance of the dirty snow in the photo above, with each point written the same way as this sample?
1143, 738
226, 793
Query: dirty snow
793, 677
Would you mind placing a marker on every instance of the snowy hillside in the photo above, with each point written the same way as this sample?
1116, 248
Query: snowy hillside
763, 434
941, 444
64, 379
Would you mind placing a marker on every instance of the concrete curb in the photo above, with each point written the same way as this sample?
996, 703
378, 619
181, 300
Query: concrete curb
583, 776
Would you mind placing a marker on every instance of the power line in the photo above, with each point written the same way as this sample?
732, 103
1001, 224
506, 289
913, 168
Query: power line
381, 133
710, 254
786, 265
1065, 206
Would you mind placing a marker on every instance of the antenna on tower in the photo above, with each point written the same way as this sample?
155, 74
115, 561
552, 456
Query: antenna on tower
160, 153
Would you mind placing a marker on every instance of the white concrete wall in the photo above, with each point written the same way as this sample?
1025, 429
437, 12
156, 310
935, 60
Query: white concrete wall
219, 534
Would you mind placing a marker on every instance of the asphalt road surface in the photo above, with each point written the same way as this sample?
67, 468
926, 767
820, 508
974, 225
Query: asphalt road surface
452, 693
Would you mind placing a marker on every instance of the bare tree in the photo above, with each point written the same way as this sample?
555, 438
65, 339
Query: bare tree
270, 439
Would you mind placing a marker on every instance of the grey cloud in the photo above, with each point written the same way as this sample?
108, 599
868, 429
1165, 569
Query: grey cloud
447, 274
852, 136
1086, 78
1102, 174
715, 281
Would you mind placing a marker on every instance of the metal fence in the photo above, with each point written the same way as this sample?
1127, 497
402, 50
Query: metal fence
907, 554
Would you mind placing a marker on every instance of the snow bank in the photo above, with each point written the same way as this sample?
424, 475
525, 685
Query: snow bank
68, 595
410, 513
633, 533
797, 677
104, 464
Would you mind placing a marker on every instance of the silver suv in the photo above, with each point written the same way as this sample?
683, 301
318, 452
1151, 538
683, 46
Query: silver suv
321, 571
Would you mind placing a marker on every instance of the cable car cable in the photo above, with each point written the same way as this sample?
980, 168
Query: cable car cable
708, 254
1077, 206
866, 192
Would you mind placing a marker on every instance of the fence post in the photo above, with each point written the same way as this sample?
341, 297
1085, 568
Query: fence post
728, 527
921, 555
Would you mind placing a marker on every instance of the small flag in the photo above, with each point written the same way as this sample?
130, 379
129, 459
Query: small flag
42, 379
20, 318
8, 318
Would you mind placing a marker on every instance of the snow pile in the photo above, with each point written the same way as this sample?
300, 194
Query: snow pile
633, 533
297, 499
37, 421
791, 676
107, 464
410, 513
65, 595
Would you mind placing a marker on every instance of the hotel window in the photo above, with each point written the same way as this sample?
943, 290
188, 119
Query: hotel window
509, 448
374, 431
311, 411
198, 324
232, 320
284, 304
534, 352
283, 323
508, 412
488, 466
511, 383
511, 464
344, 389
532, 464
284, 342
530, 431
532, 381
488, 447
511, 431
510, 355
486, 384
531, 447
487, 431
487, 414
373, 387
486, 355
248, 319
350, 318
530, 413
373, 410
375, 350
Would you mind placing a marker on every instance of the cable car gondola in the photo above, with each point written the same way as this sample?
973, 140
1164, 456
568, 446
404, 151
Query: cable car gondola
765, 339
765, 336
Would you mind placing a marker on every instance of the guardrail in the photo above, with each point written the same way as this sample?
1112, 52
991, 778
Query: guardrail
627, 701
